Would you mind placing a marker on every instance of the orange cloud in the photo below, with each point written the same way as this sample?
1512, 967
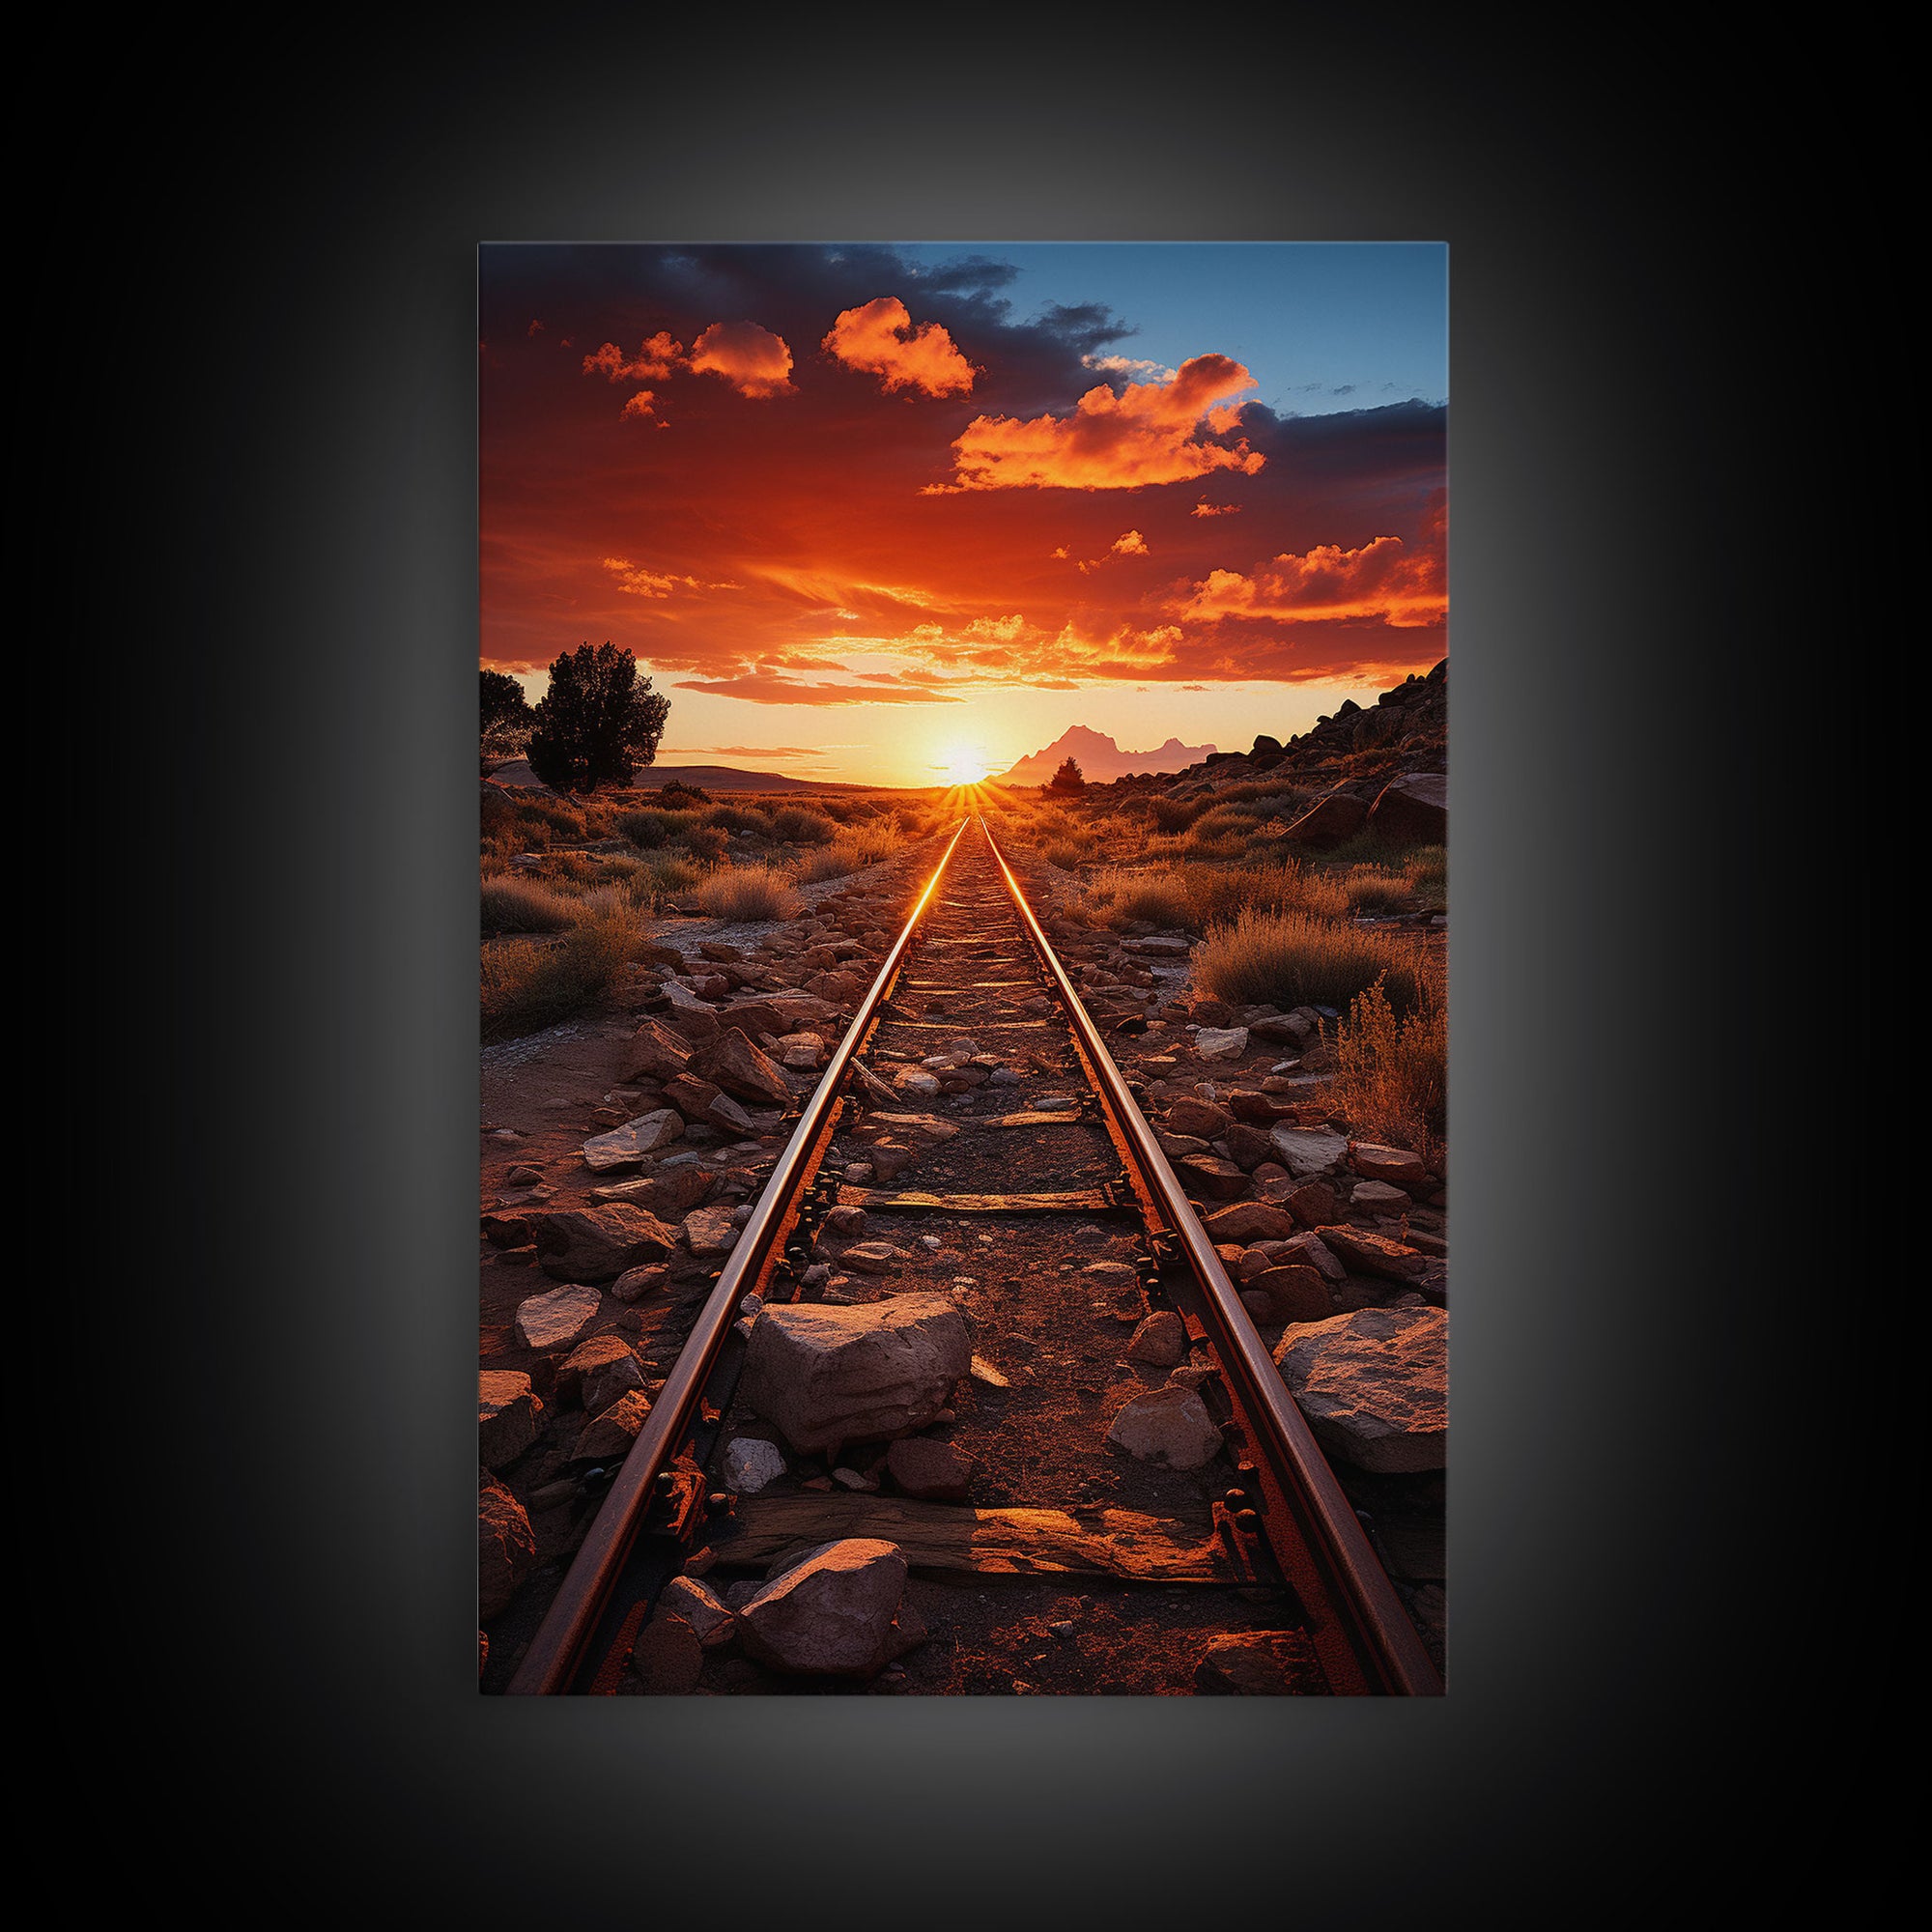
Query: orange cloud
1384, 578
639, 404
641, 582
654, 361
1204, 508
762, 688
753, 360
1130, 543
880, 336
1145, 434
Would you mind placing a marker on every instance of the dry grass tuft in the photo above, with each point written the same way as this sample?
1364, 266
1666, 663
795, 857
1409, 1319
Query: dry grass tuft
799, 825
530, 983
748, 893
511, 905
1392, 1071
1294, 960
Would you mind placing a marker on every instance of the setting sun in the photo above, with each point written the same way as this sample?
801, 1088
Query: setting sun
963, 764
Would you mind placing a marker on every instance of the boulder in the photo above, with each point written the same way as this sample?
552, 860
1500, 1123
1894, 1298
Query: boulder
1330, 820
710, 1230
1260, 1664
704, 1100
1221, 1043
751, 1462
1365, 1253
597, 1371
556, 1319
631, 1143
1376, 1197
1202, 1119
742, 1072
508, 1415
1413, 810
506, 1548
935, 1472
1309, 1151
1373, 1385
710, 1621
654, 1052
668, 1657
1247, 1146
599, 1243
1397, 1166
669, 1194
608, 1438
1244, 1221
833, 1613
1314, 1203
1294, 1294
633, 1283
1160, 1339
831, 1374
1310, 1250
1170, 1426
872, 1257
1219, 1179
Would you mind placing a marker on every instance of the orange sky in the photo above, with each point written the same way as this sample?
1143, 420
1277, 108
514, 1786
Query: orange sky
853, 515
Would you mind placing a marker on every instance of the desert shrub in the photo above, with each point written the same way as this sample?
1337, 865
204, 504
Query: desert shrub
676, 794
799, 825
1175, 814
672, 873
528, 983
1368, 847
749, 892
1296, 958
703, 843
1119, 899
1427, 866
511, 905
651, 827
737, 818
827, 861
1064, 855
1392, 1070
1369, 889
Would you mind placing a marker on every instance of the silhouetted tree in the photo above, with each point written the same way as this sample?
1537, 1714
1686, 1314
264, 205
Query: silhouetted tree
1067, 779
507, 717
598, 722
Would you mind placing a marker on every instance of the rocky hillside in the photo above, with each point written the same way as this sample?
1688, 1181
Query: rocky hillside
1384, 764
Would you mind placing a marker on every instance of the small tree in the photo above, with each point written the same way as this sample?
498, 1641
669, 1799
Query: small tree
507, 717
1067, 780
598, 722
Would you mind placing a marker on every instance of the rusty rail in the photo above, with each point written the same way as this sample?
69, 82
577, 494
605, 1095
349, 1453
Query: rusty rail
1359, 1594
557, 1650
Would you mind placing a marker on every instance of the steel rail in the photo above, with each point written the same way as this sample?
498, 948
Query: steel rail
1385, 1640
557, 1651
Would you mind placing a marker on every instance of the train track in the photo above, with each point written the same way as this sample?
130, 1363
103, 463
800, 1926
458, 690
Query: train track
1052, 1215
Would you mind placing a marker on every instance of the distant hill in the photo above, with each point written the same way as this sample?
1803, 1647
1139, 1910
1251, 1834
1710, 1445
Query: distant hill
1101, 760
706, 778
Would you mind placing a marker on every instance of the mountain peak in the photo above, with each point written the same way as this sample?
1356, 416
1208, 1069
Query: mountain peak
1101, 759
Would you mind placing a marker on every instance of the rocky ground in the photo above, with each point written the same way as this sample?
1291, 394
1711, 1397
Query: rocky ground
621, 1151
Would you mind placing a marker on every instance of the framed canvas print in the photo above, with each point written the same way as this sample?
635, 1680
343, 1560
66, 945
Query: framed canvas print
963, 977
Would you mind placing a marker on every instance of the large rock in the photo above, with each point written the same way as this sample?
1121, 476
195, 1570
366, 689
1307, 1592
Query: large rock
654, 1052
554, 1320
506, 1548
1330, 820
1397, 1166
1202, 1119
630, 1145
751, 1462
710, 1230
669, 1194
738, 1066
597, 1371
1221, 1043
1246, 1221
1161, 1340
833, 1613
1367, 1253
1308, 1151
710, 1621
599, 1243
608, 1438
829, 1374
508, 1415
705, 1101
1310, 1250
1413, 810
1373, 1385
937, 1472
1294, 1294
1170, 1426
